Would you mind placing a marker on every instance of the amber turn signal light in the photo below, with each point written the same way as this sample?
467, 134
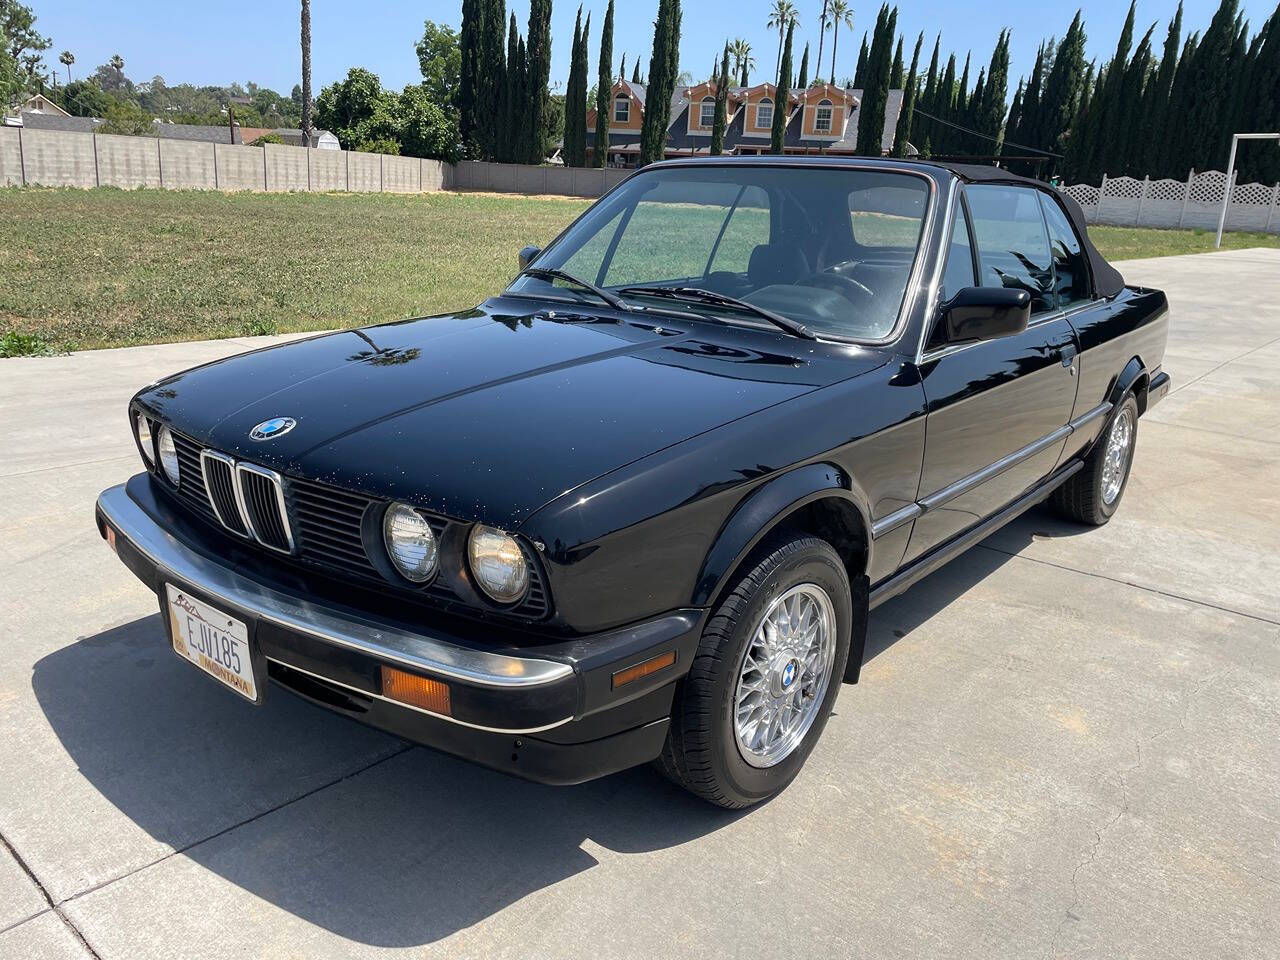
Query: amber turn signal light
421, 692
644, 668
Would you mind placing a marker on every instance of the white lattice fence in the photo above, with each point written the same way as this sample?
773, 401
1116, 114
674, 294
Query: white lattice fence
1194, 202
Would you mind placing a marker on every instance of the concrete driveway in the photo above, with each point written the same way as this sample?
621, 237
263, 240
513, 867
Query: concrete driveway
1067, 743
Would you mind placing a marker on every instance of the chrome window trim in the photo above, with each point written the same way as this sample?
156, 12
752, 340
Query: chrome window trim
278, 481
937, 353
206, 454
911, 292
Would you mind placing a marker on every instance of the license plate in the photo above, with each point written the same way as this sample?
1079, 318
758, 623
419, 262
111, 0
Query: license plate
215, 642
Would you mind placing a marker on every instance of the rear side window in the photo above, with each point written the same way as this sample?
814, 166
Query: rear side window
1070, 268
1013, 246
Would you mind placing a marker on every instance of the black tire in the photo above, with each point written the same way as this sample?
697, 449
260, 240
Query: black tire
1081, 498
701, 753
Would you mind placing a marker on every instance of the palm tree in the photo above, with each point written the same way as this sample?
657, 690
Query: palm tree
781, 15
840, 12
306, 73
822, 35
117, 64
743, 61
67, 58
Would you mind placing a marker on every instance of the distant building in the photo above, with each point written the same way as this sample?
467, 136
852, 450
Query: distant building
56, 121
36, 104
821, 119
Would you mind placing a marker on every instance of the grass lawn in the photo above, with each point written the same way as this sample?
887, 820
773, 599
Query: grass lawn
97, 268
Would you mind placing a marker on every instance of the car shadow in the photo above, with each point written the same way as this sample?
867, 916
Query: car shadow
355, 831
348, 828
896, 618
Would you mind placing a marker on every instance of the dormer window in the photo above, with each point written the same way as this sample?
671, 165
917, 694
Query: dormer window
707, 112
621, 110
822, 120
764, 113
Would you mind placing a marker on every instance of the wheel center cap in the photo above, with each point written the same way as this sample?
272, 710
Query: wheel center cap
786, 670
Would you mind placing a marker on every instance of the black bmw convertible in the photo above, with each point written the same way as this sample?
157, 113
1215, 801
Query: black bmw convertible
638, 506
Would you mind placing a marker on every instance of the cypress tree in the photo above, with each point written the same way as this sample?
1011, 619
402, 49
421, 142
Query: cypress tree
803, 82
1029, 117
604, 90
1061, 91
508, 126
1011, 124
860, 69
943, 109
925, 101
491, 77
522, 143
895, 72
469, 43
907, 115
573, 149
875, 91
960, 110
635, 72
722, 105
538, 79
781, 109
663, 69
1263, 162
989, 115
1156, 107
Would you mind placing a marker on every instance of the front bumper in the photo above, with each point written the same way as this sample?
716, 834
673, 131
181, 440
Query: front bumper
547, 712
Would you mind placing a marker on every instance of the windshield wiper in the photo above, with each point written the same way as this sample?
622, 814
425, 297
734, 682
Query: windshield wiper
547, 273
699, 295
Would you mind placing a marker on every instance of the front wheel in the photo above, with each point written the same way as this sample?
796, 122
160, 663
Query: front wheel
1092, 495
765, 677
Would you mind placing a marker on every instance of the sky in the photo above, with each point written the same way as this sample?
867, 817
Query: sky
257, 40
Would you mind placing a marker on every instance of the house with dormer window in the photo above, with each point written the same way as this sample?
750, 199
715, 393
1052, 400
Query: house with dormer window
821, 119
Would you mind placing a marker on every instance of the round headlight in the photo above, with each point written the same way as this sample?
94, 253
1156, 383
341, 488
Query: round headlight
168, 454
143, 426
498, 564
411, 543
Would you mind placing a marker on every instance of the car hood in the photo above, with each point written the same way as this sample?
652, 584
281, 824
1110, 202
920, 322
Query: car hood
490, 413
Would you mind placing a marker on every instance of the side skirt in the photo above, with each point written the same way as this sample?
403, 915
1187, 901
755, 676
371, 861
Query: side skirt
922, 567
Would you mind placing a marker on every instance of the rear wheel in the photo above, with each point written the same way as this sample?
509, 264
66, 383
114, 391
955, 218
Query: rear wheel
765, 677
1092, 495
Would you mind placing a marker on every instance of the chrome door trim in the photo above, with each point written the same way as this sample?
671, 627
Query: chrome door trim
970, 482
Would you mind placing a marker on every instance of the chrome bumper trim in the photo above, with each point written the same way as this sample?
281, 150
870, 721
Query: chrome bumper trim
415, 651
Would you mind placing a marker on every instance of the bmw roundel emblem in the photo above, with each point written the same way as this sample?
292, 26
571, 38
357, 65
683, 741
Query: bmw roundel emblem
788, 674
270, 429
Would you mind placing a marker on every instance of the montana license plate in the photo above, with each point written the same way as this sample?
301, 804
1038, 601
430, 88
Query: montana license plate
215, 642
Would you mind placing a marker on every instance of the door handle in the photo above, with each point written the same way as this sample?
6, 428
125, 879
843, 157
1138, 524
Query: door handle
1068, 355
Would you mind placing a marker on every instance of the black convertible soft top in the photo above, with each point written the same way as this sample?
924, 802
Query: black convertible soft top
1106, 278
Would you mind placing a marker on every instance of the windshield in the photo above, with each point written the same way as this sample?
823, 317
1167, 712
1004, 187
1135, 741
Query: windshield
829, 249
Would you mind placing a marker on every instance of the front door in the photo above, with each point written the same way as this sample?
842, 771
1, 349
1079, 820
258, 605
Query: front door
997, 409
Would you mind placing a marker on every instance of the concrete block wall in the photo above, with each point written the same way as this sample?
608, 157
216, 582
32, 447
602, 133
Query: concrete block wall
401, 174
53, 158
527, 179
128, 162
186, 166
241, 167
364, 175
286, 167
328, 170
10, 157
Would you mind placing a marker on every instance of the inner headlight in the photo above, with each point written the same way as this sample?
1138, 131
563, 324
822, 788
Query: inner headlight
411, 543
143, 426
498, 564
168, 454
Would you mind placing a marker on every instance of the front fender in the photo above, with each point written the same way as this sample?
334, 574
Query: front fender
764, 509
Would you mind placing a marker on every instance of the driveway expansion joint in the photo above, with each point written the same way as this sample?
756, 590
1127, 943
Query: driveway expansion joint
53, 907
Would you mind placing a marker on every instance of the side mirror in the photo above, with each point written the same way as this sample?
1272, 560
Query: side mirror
528, 254
986, 313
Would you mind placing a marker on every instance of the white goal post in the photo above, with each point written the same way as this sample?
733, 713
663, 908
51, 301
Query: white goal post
1231, 177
